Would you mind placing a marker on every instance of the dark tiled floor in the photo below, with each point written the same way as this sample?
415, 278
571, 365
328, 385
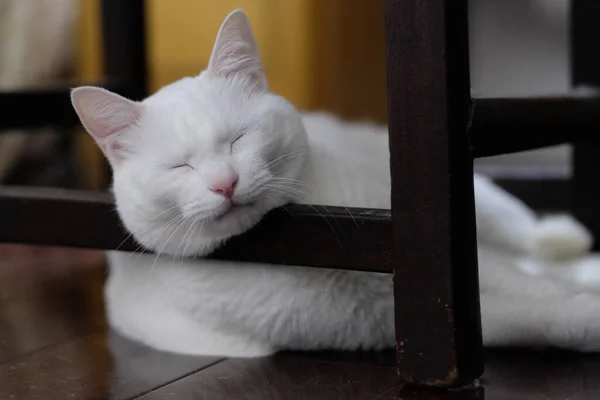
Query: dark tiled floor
54, 344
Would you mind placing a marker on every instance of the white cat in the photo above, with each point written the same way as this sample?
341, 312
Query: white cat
205, 158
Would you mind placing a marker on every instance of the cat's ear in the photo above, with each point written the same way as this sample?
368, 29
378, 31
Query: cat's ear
105, 115
235, 52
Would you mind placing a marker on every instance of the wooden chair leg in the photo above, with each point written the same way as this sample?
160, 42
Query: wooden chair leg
585, 181
585, 67
438, 327
124, 46
585, 33
124, 50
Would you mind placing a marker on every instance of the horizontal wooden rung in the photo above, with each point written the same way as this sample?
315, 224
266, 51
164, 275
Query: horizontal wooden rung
510, 125
43, 107
328, 237
499, 125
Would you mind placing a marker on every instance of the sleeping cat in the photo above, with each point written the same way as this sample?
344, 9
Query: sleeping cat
206, 157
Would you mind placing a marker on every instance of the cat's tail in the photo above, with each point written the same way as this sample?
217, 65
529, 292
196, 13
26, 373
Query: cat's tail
505, 221
560, 237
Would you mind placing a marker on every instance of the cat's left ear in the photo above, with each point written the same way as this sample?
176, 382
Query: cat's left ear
235, 52
107, 117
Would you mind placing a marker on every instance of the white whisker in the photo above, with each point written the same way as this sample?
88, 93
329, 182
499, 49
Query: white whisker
158, 254
282, 158
278, 188
158, 232
151, 219
183, 241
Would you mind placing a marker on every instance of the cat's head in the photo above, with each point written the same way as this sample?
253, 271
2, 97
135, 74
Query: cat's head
204, 158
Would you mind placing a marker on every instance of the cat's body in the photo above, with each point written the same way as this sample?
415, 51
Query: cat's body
223, 308
205, 158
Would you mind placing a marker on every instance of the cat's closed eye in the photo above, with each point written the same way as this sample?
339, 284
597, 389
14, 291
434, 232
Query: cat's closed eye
183, 165
237, 138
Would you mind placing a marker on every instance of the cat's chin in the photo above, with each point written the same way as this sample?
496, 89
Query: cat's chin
232, 224
214, 233
237, 219
195, 247
233, 213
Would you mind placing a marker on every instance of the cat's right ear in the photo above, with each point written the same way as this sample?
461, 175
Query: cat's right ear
235, 52
106, 116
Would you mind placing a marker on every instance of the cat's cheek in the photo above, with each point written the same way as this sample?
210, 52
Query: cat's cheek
243, 159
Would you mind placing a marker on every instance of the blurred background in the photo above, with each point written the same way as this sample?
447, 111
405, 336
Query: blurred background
320, 54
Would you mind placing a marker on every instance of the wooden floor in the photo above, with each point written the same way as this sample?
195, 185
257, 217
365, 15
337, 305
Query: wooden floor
54, 344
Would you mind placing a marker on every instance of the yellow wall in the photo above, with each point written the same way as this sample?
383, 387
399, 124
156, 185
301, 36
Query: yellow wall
92, 173
182, 32
318, 53
326, 54
90, 57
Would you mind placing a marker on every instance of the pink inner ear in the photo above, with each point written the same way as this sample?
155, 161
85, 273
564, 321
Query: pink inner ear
235, 52
115, 151
115, 147
103, 113
121, 120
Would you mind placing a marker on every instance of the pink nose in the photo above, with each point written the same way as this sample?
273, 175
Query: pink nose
225, 186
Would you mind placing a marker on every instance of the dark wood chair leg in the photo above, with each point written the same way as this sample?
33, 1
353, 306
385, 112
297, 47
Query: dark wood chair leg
438, 328
124, 46
124, 49
585, 66
585, 33
584, 183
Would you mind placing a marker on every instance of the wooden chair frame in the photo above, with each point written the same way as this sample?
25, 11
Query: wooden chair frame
428, 239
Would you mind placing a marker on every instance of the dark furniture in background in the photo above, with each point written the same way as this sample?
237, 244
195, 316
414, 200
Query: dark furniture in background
585, 60
427, 240
125, 72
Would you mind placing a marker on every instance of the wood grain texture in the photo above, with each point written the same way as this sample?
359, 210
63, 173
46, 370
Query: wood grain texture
52, 327
438, 329
95, 366
54, 342
283, 378
48, 296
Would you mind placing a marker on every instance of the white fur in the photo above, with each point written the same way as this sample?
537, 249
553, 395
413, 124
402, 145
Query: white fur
174, 144
560, 237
